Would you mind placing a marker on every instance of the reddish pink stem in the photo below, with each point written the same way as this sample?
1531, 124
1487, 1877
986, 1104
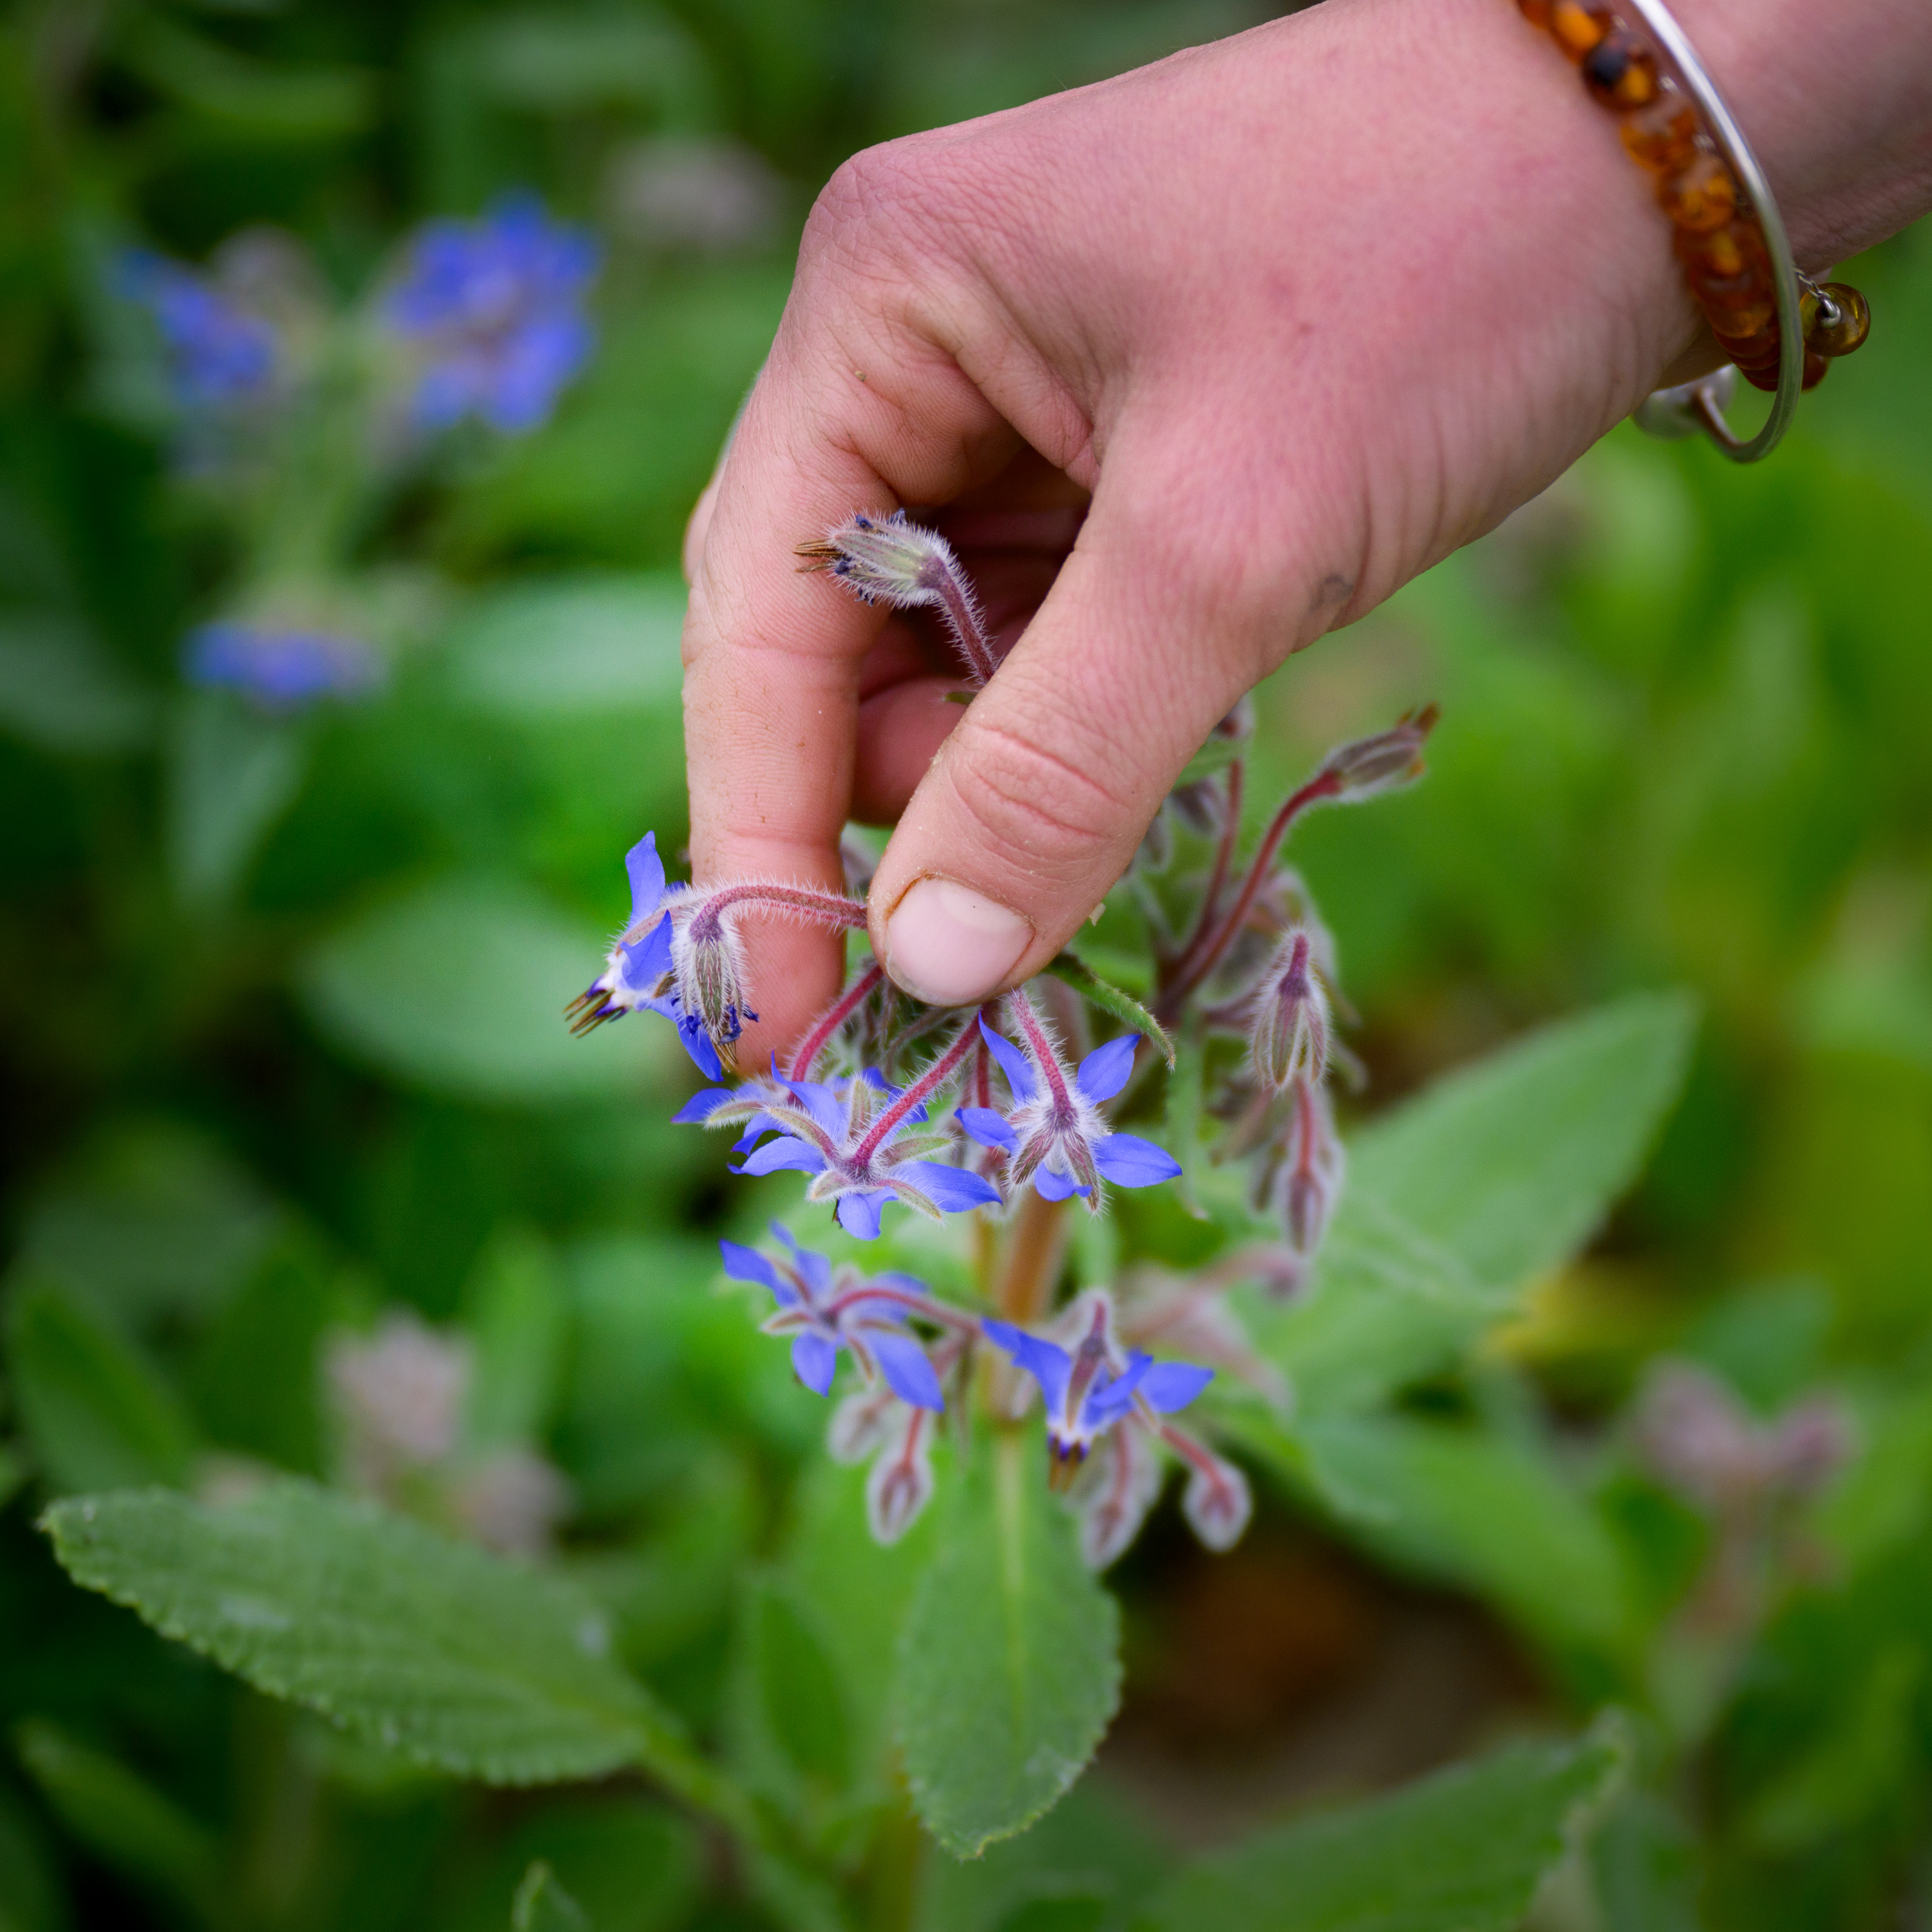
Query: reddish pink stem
1044, 1058
928, 1084
833, 908
1224, 857
825, 1028
1324, 784
915, 1304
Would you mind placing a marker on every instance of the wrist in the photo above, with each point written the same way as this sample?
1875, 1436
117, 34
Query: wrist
1837, 103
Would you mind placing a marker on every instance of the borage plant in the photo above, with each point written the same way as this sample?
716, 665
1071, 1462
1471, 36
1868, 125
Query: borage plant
1047, 1254
1011, 1118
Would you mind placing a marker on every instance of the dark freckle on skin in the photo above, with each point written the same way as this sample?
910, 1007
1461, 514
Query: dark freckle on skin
1333, 588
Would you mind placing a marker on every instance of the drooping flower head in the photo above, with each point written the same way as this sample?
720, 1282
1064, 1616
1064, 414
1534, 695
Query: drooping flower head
495, 308
1087, 1390
863, 1142
826, 1310
280, 668
220, 355
636, 975
1055, 1136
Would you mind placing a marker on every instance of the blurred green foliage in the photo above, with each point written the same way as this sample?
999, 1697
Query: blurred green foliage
278, 1055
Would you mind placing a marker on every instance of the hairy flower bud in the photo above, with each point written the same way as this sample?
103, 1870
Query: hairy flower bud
887, 560
1366, 766
1309, 1181
1288, 1037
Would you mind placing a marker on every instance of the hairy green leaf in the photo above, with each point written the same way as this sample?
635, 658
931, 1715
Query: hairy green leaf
1009, 1669
1511, 1165
1109, 998
431, 1647
1462, 1852
1470, 1507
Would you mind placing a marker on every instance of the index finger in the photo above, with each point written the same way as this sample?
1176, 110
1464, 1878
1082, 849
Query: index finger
773, 656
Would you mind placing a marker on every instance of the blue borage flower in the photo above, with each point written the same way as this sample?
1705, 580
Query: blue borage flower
825, 1309
281, 667
680, 954
863, 1142
497, 305
219, 354
1088, 1390
636, 975
1116, 1407
1056, 1137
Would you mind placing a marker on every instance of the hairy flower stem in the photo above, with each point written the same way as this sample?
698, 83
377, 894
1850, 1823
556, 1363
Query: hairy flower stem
1224, 858
831, 909
1324, 784
1036, 1253
921, 1091
825, 1029
963, 621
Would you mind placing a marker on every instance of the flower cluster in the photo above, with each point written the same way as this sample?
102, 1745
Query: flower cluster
293, 414
1011, 1112
495, 309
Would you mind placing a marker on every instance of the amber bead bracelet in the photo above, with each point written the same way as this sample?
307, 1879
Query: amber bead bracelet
1779, 328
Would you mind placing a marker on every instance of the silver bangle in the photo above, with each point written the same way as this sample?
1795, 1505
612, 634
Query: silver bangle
1691, 407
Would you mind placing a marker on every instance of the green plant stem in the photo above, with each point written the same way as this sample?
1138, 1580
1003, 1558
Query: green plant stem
1035, 1251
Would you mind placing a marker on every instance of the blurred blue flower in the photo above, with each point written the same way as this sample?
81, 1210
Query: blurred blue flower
496, 307
218, 354
281, 667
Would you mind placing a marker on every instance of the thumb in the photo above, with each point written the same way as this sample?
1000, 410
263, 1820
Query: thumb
1035, 805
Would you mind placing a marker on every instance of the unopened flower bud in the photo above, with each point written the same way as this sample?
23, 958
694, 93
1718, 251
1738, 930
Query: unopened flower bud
887, 560
1289, 1037
1217, 1502
1694, 1435
1809, 1445
900, 1485
1310, 1178
1367, 766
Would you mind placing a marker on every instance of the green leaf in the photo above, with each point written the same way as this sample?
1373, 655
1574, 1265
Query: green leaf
257, 1385
1466, 1507
31, 1898
430, 1647
1388, 1307
542, 1905
96, 1415
574, 647
460, 986
518, 1320
120, 1817
1109, 999
57, 690
1462, 1852
1009, 1669
800, 1698
231, 773
1511, 1165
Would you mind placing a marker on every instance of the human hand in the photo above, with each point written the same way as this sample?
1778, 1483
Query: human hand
1300, 312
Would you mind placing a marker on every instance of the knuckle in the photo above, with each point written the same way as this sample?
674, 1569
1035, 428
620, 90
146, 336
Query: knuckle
1030, 802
